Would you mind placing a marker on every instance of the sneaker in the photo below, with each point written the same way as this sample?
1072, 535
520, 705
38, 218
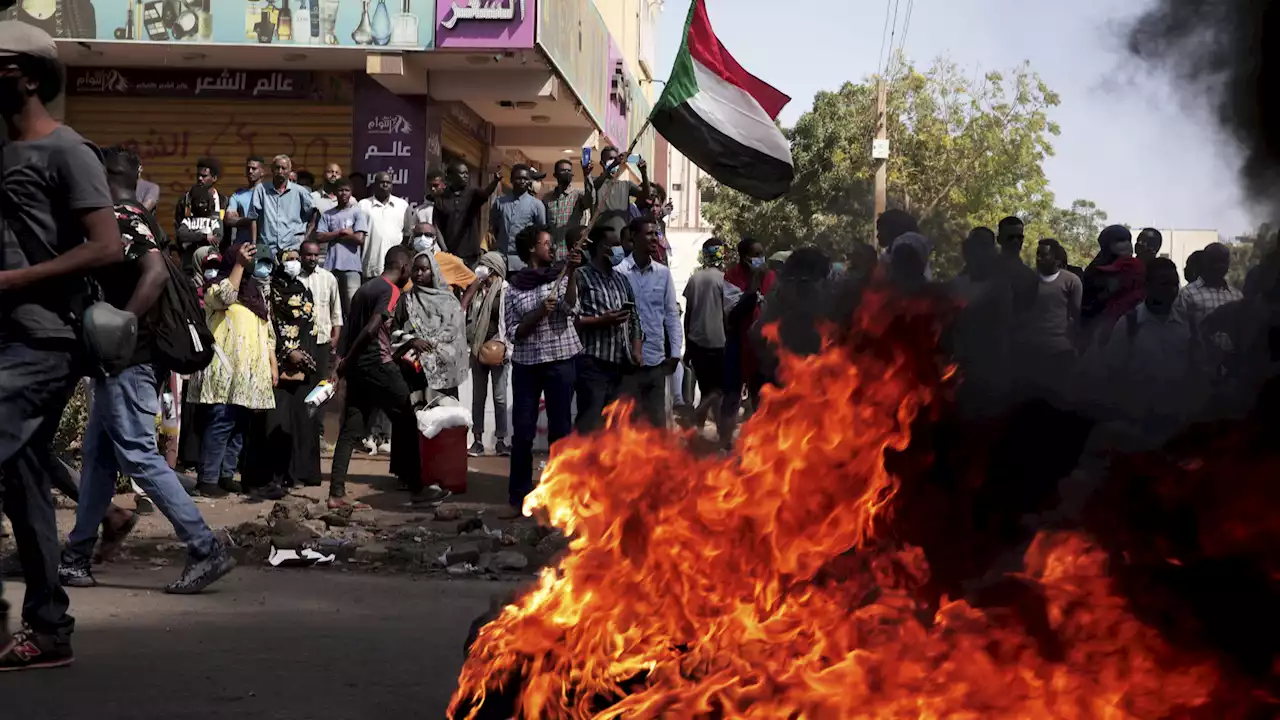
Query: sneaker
370, 446
28, 650
476, 449
501, 449
430, 495
231, 485
143, 505
76, 575
203, 572
385, 447
212, 490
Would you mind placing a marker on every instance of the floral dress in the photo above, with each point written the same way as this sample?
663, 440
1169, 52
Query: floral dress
240, 373
293, 313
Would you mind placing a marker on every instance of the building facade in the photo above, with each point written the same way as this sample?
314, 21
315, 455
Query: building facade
372, 85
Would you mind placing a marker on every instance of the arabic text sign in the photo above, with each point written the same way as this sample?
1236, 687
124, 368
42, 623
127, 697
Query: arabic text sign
188, 83
482, 24
389, 134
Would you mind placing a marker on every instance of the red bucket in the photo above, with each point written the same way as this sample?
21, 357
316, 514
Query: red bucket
443, 459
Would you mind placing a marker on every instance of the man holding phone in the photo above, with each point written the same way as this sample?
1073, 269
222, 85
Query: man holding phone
613, 196
566, 205
608, 326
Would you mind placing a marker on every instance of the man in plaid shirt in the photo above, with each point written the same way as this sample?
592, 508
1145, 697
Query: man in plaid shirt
541, 306
1209, 292
566, 205
608, 325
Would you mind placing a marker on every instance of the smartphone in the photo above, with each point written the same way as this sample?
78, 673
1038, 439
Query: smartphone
628, 306
586, 156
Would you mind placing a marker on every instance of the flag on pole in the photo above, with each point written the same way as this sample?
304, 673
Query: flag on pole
722, 117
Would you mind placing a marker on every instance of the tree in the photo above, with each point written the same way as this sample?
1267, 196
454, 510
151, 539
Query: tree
966, 152
1077, 228
1249, 250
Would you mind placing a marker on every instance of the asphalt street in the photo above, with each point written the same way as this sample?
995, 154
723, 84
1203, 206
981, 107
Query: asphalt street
281, 644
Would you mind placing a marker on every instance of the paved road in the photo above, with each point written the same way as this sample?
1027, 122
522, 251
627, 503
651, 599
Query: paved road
263, 644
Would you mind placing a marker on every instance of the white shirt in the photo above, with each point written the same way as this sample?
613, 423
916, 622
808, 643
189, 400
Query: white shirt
328, 304
386, 230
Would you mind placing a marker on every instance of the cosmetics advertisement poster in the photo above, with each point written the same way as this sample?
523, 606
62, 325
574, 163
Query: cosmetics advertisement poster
393, 24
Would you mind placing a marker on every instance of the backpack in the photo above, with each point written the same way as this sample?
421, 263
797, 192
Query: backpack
180, 337
182, 340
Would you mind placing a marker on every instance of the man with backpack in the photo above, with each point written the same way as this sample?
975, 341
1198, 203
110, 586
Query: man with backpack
120, 437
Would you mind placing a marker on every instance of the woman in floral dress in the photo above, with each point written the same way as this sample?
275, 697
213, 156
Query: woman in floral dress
284, 449
240, 379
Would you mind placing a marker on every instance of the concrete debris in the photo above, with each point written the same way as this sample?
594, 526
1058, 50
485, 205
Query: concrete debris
446, 513
462, 554
511, 560
470, 525
337, 519
291, 508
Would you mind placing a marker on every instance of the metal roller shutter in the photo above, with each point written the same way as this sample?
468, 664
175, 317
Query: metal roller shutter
457, 141
170, 134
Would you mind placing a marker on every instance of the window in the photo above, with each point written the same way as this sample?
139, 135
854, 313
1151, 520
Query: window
677, 187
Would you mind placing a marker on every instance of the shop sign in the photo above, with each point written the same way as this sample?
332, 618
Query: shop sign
485, 24
389, 134
394, 24
248, 84
469, 120
574, 36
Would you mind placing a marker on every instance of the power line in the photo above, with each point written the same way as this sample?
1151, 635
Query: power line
884, 34
894, 33
902, 44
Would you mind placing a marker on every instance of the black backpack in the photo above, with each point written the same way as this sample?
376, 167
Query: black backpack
183, 342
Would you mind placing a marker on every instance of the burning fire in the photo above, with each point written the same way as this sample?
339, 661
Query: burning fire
768, 585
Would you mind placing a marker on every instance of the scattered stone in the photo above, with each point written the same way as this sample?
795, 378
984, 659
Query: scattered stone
316, 527
62, 502
553, 543
470, 525
291, 508
462, 554
510, 560
249, 533
334, 519
171, 547
413, 535
508, 540
448, 512
464, 569
159, 562
371, 553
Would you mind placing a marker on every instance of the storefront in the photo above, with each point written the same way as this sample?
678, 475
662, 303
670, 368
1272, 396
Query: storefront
170, 118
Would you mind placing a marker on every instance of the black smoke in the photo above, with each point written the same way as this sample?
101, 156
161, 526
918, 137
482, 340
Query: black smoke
1222, 50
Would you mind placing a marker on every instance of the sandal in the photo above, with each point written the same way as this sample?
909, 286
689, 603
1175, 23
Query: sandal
113, 537
336, 503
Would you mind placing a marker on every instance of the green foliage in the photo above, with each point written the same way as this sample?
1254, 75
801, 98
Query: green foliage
70, 436
967, 151
1248, 251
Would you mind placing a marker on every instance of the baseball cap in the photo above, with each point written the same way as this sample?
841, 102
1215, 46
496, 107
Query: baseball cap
19, 38
533, 174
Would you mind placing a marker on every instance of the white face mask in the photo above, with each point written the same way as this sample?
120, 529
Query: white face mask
424, 243
293, 268
210, 274
482, 272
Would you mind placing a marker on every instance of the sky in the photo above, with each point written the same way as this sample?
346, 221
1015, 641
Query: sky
1148, 154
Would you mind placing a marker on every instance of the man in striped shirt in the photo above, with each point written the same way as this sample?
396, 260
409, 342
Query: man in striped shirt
608, 326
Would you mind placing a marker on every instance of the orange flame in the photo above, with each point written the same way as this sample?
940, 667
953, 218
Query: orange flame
757, 586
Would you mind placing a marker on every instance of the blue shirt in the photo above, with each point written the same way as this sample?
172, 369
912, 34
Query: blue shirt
655, 293
343, 257
239, 202
282, 216
510, 215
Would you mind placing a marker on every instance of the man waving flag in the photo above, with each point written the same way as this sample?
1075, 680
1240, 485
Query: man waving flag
722, 117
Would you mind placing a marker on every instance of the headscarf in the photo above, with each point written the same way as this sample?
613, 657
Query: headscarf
712, 256
253, 296
435, 315
480, 311
531, 277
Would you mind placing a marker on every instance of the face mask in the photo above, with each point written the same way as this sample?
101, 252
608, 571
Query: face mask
616, 255
482, 272
756, 263
262, 270
422, 243
292, 268
210, 274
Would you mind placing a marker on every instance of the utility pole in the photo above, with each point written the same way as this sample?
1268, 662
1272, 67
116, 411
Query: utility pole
880, 150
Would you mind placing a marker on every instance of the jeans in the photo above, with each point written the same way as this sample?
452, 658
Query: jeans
528, 383
598, 384
36, 381
224, 431
372, 387
348, 283
481, 376
648, 387
120, 438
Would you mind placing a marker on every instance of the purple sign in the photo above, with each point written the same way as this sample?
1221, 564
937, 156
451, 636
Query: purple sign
485, 24
389, 134
130, 82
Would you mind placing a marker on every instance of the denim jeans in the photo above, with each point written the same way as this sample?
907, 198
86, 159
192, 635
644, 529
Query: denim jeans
598, 384
348, 283
36, 381
120, 438
528, 384
224, 431
481, 376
